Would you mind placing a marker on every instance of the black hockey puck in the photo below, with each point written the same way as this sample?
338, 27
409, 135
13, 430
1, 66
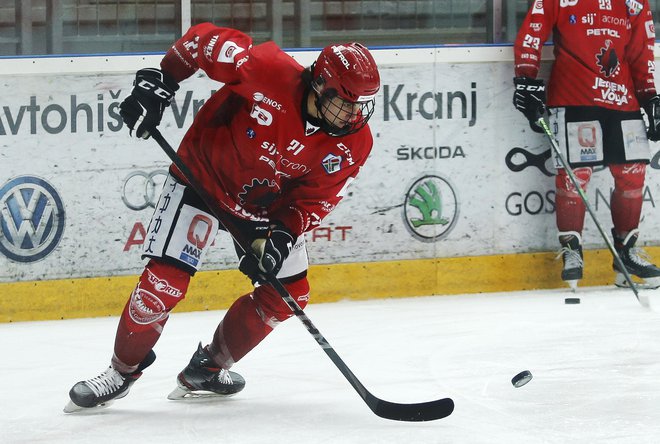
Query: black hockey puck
572, 301
521, 378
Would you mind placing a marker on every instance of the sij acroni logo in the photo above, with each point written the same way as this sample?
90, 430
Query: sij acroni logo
431, 208
31, 219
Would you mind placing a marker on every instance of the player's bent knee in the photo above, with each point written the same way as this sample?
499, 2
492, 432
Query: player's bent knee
271, 303
160, 288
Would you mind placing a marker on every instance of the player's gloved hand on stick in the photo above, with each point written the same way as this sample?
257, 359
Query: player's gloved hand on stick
529, 99
652, 109
271, 246
153, 91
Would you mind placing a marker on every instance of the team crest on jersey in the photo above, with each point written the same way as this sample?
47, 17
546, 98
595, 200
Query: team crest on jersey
607, 60
331, 163
634, 7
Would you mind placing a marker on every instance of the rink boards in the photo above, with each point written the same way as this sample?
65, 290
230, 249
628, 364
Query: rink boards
456, 197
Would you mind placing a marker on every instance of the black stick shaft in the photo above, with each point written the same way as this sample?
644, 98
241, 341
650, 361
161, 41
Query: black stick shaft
555, 147
426, 411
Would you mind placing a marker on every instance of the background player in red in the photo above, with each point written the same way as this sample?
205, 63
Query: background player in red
601, 77
277, 147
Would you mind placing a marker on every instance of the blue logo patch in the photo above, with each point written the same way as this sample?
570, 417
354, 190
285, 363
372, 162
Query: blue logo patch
572, 19
331, 163
250, 133
190, 255
31, 219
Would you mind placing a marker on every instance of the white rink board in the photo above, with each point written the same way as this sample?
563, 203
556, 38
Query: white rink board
65, 129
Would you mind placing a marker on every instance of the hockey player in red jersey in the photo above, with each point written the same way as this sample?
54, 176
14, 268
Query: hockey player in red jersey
601, 77
277, 147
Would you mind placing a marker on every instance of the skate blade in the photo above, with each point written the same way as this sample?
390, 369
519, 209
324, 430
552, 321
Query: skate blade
647, 284
71, 407
183, 393
572, 284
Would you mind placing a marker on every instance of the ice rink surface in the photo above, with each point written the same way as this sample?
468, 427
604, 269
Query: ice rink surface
596, 370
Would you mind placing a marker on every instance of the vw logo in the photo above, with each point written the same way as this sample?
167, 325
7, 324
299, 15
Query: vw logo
31, 219
141, 189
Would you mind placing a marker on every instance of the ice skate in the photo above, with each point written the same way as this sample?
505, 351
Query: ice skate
636, 262
103, 390
203, 379
571, 254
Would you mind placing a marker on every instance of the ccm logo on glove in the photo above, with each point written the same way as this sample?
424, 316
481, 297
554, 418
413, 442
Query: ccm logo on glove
143, 109
269, 252
156, 89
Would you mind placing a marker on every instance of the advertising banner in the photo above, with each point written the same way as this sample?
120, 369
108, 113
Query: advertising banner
455, 171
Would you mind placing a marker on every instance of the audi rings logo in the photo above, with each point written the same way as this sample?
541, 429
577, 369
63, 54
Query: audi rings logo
31, 219
141, 189
431, 208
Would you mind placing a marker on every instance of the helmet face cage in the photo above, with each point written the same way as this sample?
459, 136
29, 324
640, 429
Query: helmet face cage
340, 117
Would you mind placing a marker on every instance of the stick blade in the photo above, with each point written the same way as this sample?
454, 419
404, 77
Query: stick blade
423, 411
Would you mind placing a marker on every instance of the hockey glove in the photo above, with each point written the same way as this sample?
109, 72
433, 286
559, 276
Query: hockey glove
153, 91
652, 109
529, 99
271, 248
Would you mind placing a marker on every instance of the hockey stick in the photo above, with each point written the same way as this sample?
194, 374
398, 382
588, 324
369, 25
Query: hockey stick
423, 411
555, 147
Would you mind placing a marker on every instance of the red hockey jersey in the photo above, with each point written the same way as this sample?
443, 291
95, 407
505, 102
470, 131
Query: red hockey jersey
249, 145
603, 51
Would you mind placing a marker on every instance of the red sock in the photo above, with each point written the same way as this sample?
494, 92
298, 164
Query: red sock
159, 289
627, 198
568, 203
251, 318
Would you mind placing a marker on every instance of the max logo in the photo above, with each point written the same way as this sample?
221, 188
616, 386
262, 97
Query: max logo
199, 230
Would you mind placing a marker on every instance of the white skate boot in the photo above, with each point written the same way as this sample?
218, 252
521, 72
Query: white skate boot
104, 389
571, 254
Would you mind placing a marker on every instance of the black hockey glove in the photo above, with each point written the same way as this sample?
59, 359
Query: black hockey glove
652, 109
271, 246
529, 99
153, 91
